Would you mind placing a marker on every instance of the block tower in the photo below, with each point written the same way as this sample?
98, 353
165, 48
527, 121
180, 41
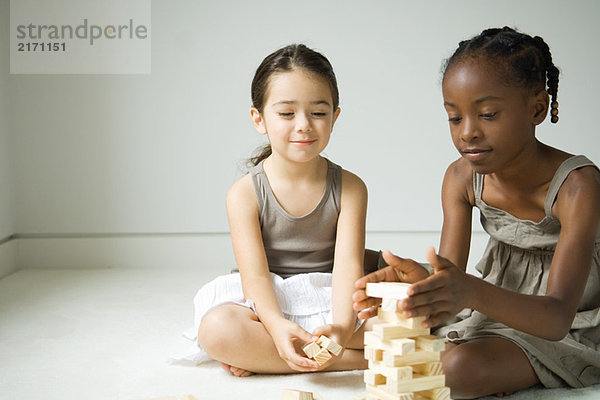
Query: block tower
404, 358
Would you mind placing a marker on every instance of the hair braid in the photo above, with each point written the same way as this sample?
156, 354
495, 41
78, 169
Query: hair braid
551, 76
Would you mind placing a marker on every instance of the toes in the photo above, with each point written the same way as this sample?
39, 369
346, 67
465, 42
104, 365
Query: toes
226, 367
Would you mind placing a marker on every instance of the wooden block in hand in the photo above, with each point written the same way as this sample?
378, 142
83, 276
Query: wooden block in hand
322, 356
290, 394
391, 290
330, 345
311, 349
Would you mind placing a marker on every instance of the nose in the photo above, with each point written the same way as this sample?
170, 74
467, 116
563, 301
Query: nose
303, 123
470, 130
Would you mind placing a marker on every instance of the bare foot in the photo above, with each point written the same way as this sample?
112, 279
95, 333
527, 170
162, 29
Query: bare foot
235, 371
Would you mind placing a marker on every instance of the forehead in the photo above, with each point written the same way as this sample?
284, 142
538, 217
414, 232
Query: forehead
298, 84
478, 78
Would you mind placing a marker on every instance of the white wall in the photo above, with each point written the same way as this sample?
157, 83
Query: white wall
8, 261
122, 155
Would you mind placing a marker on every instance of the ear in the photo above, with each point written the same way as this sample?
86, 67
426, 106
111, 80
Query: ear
336, 114
541, 102
258, 121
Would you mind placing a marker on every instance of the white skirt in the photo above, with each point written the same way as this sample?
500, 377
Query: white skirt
304, 299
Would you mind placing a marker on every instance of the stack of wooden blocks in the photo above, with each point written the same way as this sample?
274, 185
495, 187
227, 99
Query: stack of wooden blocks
404, 358
322, 349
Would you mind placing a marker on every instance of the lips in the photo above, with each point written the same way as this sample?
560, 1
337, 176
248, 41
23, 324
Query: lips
475, 154
303, 142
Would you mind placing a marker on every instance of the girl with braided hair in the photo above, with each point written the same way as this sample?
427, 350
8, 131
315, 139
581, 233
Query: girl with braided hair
534, 315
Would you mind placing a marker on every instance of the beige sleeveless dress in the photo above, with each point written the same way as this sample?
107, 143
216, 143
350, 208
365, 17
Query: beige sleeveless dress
300, 254
518, 258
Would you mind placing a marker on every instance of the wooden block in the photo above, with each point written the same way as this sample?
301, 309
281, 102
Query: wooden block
373, 378
430, 368
387, 331
330, 345
418, 357
430, 343
396, 317
416, 384
373, 354
311, 349
392, 290
382, 393
291, 394
390, 305
441, 393
394, 373
373, 341
322, 356
403, 346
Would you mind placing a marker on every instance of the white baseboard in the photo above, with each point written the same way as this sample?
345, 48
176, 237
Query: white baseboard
8, 257
183, 251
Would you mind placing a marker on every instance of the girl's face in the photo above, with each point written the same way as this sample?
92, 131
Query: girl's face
492, 124
298, 115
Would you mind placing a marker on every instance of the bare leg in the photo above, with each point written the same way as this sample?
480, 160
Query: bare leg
487, 366
233, 335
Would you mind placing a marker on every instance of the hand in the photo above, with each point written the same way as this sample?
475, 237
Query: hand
289, 338
441, 296
398, 270
335, 333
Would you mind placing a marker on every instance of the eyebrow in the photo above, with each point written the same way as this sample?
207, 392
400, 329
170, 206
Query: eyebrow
478, 101
316, 102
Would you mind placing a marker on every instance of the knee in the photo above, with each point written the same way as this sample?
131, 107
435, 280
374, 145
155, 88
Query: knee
467, 372
218, 330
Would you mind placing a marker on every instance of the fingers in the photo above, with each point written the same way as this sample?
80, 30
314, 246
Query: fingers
437, 262
386, 274
367, 313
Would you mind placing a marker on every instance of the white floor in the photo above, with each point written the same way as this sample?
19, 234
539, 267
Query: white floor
106, 334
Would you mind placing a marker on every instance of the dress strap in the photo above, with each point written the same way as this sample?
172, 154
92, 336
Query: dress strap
260, 183
477, 185
560, 176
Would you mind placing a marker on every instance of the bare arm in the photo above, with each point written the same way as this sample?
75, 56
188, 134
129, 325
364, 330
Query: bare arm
349, 252
549, 316
457, 204
248, 247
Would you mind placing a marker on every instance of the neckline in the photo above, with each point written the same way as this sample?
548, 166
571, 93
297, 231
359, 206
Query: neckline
550, 194
282, 210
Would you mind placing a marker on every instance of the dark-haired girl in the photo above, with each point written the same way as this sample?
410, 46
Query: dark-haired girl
297, 225
534, 315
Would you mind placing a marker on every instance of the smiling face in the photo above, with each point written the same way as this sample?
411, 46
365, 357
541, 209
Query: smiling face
492, 124
298, 115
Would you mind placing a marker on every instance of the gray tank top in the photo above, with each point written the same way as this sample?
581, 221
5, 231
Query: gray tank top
298, 244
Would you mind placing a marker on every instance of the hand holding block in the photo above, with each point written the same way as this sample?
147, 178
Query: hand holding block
311, 349
330, 345
319, 350
391, 290
322, 356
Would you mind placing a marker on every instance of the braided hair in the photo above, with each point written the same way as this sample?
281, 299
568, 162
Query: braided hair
523, 60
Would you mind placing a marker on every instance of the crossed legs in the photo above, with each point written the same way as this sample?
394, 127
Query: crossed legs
233, 335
